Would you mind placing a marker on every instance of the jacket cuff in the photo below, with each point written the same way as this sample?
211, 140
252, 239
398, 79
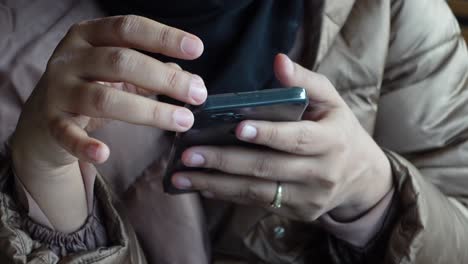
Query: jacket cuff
362, 230
104, 234
422, 220
90, 236
428, 220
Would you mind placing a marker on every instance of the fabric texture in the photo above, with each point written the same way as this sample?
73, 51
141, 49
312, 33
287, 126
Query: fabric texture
405, 77
89, 237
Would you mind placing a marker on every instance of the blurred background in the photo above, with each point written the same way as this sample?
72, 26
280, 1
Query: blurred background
460, 8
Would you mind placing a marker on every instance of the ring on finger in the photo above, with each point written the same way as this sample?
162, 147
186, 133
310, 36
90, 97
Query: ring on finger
276, 203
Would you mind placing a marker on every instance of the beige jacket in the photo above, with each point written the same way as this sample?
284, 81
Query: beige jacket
402, 67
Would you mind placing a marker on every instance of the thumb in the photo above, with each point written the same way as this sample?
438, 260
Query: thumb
319, 88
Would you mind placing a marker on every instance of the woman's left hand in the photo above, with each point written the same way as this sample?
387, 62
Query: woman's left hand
326, 163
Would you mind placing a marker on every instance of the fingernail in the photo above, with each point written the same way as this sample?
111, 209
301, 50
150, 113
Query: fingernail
93, 152
191, 46
207, 194
182, 182
196, 159
183, 118
289, 66
248, 132
197, 90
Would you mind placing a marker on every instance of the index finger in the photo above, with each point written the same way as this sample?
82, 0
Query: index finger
301, 138
141, 33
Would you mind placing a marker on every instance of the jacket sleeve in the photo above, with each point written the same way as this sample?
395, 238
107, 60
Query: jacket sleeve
423, 120
104, 238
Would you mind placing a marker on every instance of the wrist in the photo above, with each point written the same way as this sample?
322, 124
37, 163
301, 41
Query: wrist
373, 187
58, 191
363, 230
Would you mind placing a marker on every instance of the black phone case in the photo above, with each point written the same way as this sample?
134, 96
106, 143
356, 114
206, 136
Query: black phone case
217, 119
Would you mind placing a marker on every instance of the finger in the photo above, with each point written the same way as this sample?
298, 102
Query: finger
301, 138
318, 87
263, 164
130, 66
174, 65
232, 188
140, 33
77, 142
95, 100
131, 88
128, 87
303, 204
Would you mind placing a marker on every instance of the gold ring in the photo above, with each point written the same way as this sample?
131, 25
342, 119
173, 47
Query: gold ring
278, 196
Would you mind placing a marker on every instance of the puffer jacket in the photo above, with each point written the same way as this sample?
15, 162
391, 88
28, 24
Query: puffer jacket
401, 66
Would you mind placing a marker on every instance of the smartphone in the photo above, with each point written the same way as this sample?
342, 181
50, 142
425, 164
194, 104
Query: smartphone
216, 121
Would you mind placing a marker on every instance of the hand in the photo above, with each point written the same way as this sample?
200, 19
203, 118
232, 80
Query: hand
326, 163
96, 74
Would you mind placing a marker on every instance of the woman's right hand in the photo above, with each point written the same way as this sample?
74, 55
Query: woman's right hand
96, 74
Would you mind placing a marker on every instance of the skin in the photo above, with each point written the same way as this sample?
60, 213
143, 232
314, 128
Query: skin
327, 163
95, 75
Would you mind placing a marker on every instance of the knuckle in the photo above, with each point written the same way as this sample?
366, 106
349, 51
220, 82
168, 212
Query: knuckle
308, 174
174, 79
125, 25
102, 99
164, 36
327, 183
56, 62
317, 204
301, 140
262, 167
174, 65
219, 161
65, 61
155, 113
271, 134
60, 129
250, 193
56, 129
72, 97
79, 94
202, 184
74, 146
120, 60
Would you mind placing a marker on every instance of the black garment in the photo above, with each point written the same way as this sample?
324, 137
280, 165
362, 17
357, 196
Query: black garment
241, 37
